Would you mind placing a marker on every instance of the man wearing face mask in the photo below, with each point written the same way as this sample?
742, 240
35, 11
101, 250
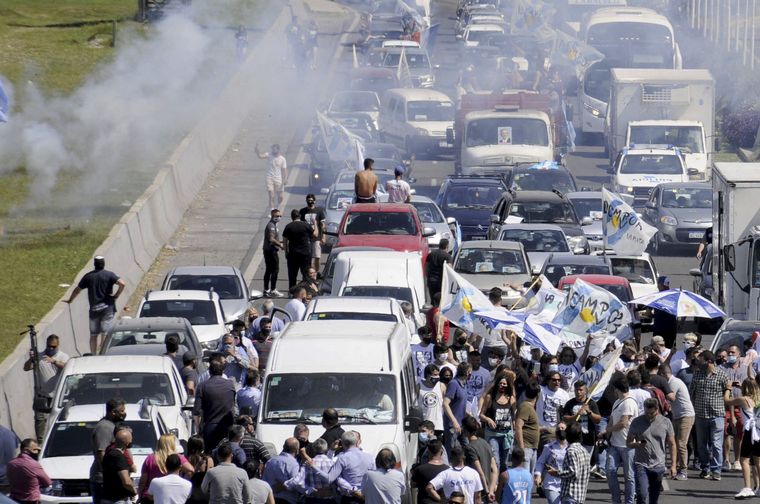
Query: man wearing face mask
550, 404
272, 247
737, 371
476, 384
686, 374
25, 475
627, 358
315, 217
585, 411
236, 359
50, 364
432, 392
706, 389
118, 487
677, 360
455, 406
443, 359
460, 348
102, 437
422, 352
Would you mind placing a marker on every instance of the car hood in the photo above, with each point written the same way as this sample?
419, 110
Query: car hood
537, 259
470, 216
689, 215
571, 229
485, 282
644, 180
77, 468
593, 229
402, 243
437, 127
234, 308
500, 155
209, 332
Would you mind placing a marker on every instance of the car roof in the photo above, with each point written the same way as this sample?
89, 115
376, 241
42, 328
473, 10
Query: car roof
485, 27
525, 113
537, 196
495, 181
179, 294
359, 248
614, 255
491, 244
204, 270
381, 207
583, 195
358, 304
150, 323
418, 198
579, 259
92, 364
419, 94
738, 325
596, 279
532, 227
637, 151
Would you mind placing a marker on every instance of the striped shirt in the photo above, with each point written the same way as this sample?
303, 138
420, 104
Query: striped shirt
707, 393
576, 469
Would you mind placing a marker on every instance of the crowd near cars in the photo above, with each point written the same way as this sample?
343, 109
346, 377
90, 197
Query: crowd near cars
509, 216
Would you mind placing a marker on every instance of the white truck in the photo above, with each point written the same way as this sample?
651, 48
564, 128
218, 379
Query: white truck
665, 108
736, 239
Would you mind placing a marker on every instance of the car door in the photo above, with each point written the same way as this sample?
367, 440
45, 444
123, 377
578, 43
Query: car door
651, 211
499, 211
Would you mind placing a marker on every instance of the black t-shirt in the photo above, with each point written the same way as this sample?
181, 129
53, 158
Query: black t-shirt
314, 217
298, 234
663, 323
660, 382
114, 461
215, 400
436, 259
99, 285
332, 434
421, 476
271, 229
587, 426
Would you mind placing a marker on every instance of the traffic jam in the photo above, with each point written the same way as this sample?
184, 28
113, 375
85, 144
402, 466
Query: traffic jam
468, 315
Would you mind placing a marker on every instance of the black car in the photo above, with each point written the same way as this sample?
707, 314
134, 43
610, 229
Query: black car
539, 207
560, 265
469, 199
322, 170
541, 177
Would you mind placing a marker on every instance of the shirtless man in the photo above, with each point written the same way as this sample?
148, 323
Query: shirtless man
365, 183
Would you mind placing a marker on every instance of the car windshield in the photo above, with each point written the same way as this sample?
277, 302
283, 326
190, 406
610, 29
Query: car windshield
226, 286
74, 439
356, 123
652, 164
596, 83
398, 293
137, 337
633, 44
340, 200
545, 212
619, 291
358, 398
687, 138
507, 131
355, 102
633, 270
473, 261
554, 272
430, 111
196, 311
381, 151
543, 180
687, 197
478, 36
380, 223
377, 83
378, 317
541, 240
588, 207
414, 60
98, 388
428, 212
472, 196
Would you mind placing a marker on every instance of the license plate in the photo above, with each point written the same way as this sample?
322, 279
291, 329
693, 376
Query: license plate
443, 144
696, 234
478, 238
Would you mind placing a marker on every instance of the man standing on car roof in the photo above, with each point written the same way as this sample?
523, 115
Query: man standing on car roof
365, 183
99, 284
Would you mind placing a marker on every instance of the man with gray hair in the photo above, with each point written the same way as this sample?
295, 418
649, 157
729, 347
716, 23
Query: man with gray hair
385, 484
350, 467
309, 482
234, 436
282, 468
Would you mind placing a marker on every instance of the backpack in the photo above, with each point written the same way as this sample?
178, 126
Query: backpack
661, 399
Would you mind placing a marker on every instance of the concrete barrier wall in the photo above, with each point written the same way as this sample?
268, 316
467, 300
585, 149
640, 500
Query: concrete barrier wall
135, 241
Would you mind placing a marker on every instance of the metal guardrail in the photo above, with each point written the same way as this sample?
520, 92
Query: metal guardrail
730, 24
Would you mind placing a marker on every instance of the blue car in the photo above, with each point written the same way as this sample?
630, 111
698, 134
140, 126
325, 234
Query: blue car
470, 200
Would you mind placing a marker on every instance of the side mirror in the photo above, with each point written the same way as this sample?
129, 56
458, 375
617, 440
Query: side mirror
692, 171
255, 294
579, 251
695, 272
535, 269
331, 229
651, 205
451, 221
428, 232
586, 221
495, 219
450, 135
189, 404
730, 258
459, 36
413, 419
324, 190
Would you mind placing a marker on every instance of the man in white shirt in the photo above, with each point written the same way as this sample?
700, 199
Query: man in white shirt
618, 453
549, 406
296, 307
398, 190
422, 352
683, 419
172, 488
458, 478
277, 174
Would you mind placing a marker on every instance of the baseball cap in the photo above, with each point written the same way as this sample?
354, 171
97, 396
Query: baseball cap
399, 170
663, 280
188, 357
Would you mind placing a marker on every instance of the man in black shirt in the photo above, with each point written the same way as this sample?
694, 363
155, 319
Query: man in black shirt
315, 216
652, 367
585, 411
99, 284
297, 238
214, 402
424, 473
435, 261
117, 482
333, 430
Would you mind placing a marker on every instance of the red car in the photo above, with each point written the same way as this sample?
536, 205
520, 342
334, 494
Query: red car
392, 225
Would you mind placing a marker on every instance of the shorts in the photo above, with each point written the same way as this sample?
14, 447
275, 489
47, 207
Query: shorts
748, 449
316, 249
101, 321
739, 423
274, 185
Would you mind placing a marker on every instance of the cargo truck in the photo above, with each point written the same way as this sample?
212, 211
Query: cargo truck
736, 239
664, 108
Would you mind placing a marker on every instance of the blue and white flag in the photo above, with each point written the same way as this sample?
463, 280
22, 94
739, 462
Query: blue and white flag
341, 144
624, 231
592, 309
4, 103
569, 50
532, 18
545, 302
598, 377
538, 333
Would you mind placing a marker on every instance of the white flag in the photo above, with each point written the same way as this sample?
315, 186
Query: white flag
591, 309
598, 377
341, 144
624, 232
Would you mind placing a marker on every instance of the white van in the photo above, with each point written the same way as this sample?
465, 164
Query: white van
364, 371
382, 274
417, 119
327, 308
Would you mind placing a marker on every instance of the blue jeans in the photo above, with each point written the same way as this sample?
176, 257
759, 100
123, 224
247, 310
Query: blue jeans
501, 446
552, 496
649, 483
601, 455
621, 457
710, 443
570, 500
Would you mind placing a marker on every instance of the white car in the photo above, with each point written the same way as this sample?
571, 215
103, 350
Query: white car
638, 169
93, 380
66, 451
640, 271
359, 309
473, 34
202, 308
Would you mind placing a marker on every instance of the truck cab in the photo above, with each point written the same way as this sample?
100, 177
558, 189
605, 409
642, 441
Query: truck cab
688, 136
637, 170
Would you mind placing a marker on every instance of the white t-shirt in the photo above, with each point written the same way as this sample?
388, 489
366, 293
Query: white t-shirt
398, 191
640, 395
296, 309
463, 479
170, 489
549, 406
682, 406
422, 355
431, 399
622, 407
276, 165
570, 373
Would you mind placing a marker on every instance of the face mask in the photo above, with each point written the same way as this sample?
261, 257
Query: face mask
423, 437
494, 362
276, 219
445, 380
265, 332
687, 345
51, 351
719, 361
462, 341
435, 379
441, 359
561, 435
129, 446
34, 455
625, 358
731, 359
553, 367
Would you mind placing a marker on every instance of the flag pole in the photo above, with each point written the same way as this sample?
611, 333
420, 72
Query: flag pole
538, 279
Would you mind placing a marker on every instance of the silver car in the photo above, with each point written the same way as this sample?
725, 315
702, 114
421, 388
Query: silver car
681, 212
589, 204
492, 263
539, 241
431, 216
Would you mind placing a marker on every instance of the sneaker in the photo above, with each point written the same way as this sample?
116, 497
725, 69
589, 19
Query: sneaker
704, 475
266, 294
737, 466
715, 476
726, 465
276, 294
744, 493
682, 476
598, 474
